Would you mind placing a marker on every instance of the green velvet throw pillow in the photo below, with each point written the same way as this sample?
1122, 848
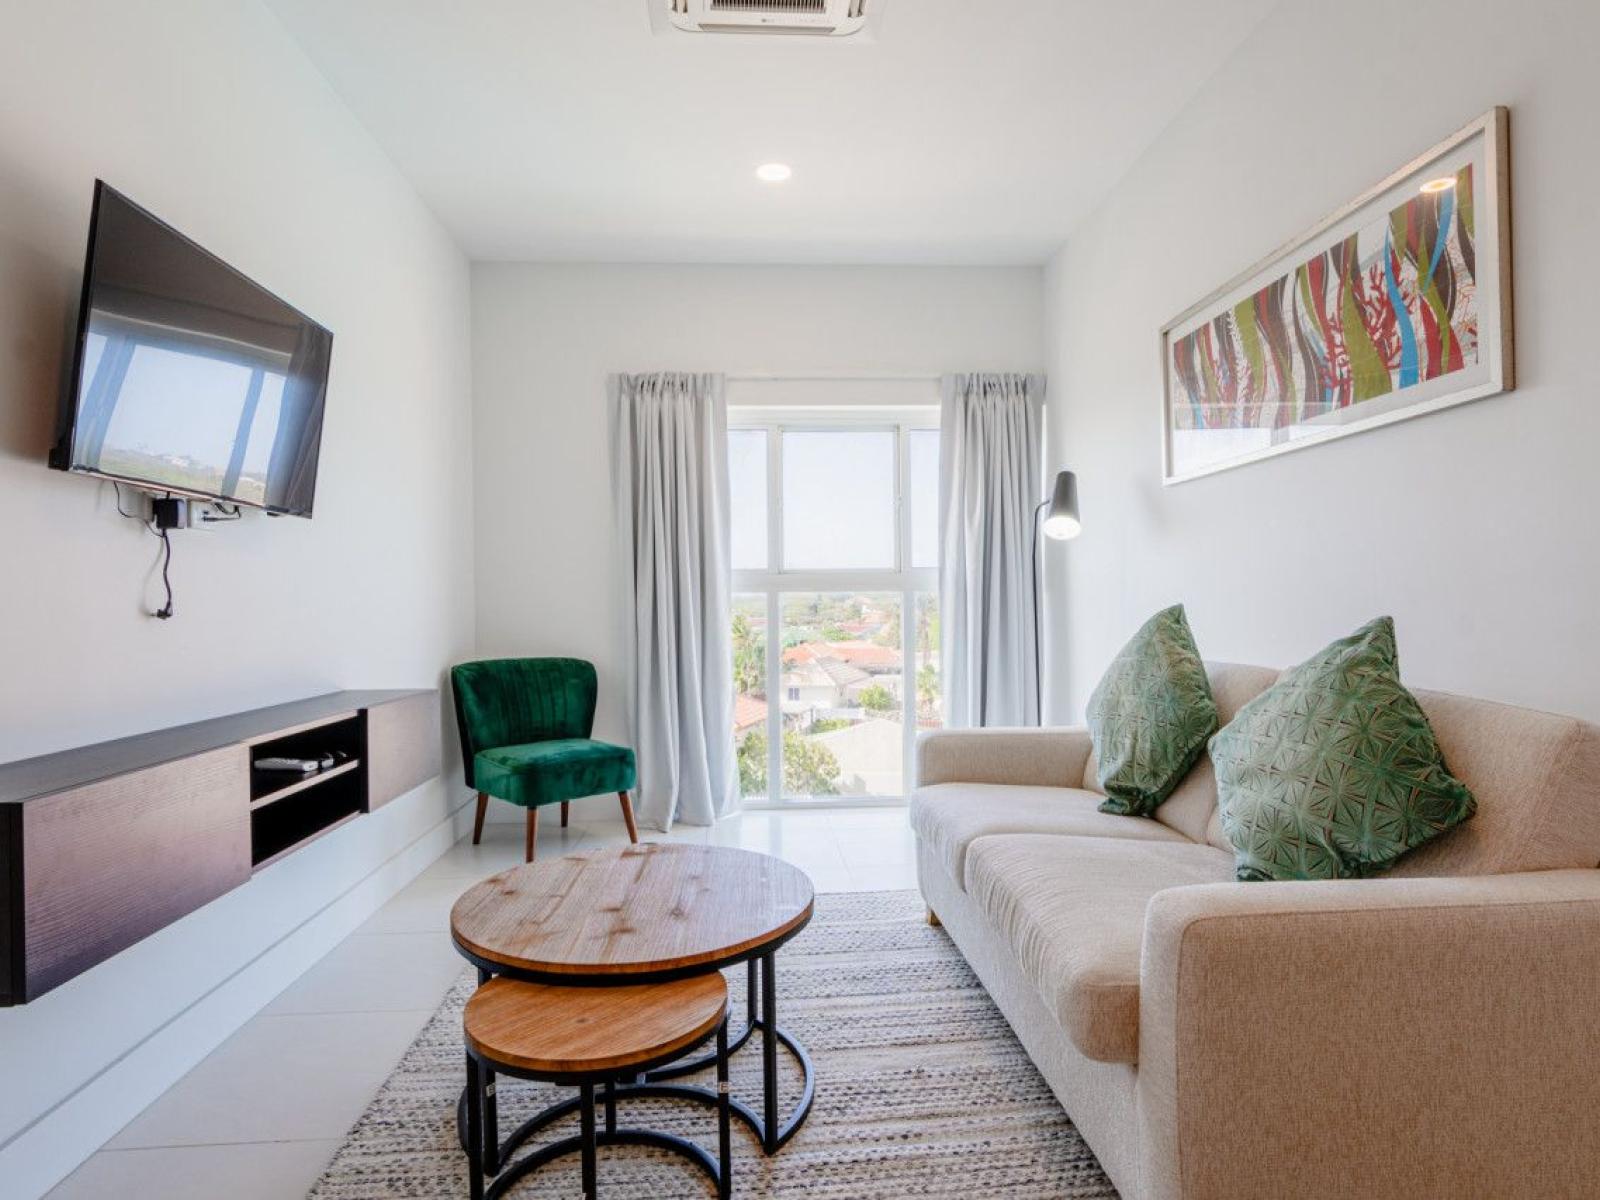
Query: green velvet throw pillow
1333, 772
1150, 715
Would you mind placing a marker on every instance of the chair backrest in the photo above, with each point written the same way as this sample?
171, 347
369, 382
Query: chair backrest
512, 701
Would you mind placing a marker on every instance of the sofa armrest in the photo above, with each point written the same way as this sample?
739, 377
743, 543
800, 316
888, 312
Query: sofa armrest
1403, 1037
1028, 756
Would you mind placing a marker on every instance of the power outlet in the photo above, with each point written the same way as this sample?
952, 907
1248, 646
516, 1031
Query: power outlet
205, 515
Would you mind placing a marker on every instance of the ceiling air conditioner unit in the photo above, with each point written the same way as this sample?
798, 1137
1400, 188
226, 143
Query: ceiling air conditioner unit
814, 18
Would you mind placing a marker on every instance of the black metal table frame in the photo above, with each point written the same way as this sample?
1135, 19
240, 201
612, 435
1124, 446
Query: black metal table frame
761, 960
487, 1155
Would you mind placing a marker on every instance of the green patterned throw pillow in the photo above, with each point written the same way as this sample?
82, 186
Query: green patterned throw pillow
1333, 772
1150, 715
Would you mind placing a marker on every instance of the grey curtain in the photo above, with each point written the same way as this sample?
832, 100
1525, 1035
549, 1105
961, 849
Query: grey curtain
990, 478
670, 479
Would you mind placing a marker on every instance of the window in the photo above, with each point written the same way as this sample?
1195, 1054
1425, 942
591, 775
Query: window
747, 476
835, 554
839, 498
923, 471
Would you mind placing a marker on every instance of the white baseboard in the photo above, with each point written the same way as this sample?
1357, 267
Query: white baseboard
54, 1144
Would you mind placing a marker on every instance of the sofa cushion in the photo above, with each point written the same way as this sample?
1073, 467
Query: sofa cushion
1191, 809
1334, 772
1071, 911
948, 816
1193, 804
1536, 776
1150, 715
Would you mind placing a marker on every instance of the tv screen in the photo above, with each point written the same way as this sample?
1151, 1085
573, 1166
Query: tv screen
189, 378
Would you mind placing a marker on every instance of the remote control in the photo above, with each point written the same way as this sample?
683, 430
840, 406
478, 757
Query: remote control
288, 764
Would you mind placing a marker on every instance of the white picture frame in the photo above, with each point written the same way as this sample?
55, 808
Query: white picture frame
1274, 360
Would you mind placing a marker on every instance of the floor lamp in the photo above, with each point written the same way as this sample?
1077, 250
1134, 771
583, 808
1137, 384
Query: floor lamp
1061, 524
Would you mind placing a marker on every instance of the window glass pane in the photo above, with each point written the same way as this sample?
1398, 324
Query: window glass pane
930, 690
747, 482
838, 499
922, 494
750, 693
842, 694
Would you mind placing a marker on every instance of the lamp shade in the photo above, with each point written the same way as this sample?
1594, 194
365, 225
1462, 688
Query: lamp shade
1062, 520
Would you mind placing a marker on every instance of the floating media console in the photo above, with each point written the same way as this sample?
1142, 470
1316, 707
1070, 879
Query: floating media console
104, 845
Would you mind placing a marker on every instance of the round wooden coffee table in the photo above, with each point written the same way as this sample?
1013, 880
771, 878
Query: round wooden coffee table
642, 913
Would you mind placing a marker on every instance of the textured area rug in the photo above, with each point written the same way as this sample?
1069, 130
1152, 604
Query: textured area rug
921, 1089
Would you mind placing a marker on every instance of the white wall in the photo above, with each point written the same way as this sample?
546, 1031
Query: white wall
545, 337
206, 112
1474, 526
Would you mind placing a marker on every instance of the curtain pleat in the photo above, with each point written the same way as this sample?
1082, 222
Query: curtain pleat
990, 477
670, 479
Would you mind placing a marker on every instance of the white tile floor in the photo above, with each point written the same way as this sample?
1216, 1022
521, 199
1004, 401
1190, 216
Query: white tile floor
262, 1116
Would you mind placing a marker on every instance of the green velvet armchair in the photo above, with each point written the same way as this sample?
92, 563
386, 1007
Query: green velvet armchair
525, 725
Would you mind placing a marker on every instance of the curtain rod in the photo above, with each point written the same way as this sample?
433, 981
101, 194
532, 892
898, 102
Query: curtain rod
766, 377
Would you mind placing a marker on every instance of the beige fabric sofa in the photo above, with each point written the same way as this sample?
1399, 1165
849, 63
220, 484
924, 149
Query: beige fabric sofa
1431, 1033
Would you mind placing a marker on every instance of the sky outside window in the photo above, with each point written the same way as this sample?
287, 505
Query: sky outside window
838, 499
747, 480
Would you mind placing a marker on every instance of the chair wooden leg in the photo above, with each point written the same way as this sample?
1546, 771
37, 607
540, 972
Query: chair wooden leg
565, 804
933, 919
627, 817
533, 834
477, 821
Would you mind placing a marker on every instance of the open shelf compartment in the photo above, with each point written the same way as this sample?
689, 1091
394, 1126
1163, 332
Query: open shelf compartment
291, 822
289, 809
339, 737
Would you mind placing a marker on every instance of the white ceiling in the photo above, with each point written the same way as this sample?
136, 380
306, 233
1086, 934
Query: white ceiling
971, 131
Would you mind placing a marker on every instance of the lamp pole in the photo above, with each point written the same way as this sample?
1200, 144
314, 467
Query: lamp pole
1038, 601
1061, 524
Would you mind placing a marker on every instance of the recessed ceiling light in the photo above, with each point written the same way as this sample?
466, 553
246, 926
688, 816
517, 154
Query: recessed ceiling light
773, 172
1438, 185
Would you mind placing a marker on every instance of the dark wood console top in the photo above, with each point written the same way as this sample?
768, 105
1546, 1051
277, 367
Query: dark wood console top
32, 778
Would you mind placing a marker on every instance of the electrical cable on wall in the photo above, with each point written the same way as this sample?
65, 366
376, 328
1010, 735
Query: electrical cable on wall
117, 488
163, 613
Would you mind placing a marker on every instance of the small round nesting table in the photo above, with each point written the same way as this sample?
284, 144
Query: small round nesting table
554, 1035
649, 913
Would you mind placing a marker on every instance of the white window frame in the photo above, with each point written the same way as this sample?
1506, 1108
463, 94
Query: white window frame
775, 580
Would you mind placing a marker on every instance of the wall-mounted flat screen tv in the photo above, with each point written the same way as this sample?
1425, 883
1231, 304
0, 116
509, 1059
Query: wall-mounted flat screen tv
187, 377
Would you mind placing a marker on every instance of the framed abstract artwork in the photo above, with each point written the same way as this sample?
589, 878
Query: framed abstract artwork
1397, 305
